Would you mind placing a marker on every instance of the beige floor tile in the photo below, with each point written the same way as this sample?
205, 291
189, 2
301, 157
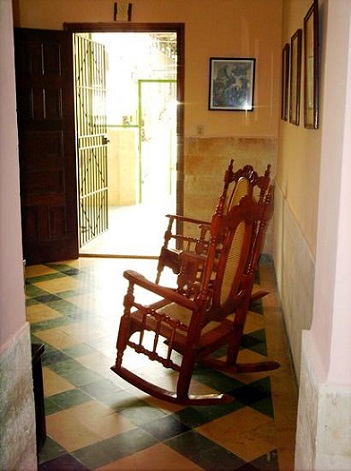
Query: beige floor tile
69, 335
88, 302
254, 322
58, 285
245, 432
38, 270
41, 313
97, 362
249, 356
54, 384
156, 458
249, 445
242, 420
84, 425
248, 378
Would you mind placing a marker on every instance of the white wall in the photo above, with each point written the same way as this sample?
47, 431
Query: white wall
11, 266
296, 207
17, 422
324, 413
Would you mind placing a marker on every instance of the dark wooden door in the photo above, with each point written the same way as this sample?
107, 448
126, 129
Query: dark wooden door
45, 107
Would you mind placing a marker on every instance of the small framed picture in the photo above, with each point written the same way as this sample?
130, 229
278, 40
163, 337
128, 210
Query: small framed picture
231, 84
295, 77
311, 68
285, 82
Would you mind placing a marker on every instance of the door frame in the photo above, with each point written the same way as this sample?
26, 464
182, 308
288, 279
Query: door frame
179, 29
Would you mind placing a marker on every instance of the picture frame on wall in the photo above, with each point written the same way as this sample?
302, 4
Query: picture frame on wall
295, 77
311, 68
285, 82
231, 86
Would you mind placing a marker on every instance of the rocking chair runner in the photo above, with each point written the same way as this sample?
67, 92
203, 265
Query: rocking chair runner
189, 323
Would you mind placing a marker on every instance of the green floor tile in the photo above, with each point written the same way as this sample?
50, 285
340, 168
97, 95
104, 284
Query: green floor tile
71, 398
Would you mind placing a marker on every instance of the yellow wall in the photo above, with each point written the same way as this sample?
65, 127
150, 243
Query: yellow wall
213, 28
222, 28
297, 198
299, 148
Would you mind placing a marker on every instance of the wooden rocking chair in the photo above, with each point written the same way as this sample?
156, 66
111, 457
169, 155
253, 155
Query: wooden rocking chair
237, 184
193, 235
189, 323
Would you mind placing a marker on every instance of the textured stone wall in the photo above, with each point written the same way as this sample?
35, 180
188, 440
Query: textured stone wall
205, 161
17, 415
324, 418
294, 267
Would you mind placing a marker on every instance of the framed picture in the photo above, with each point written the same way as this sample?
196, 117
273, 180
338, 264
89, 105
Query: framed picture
295, 77
285, 82
311, 65
231, 84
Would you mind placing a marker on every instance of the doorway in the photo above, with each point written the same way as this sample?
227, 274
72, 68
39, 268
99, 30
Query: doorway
144, 155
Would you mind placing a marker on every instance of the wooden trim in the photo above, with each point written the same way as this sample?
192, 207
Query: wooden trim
122, 27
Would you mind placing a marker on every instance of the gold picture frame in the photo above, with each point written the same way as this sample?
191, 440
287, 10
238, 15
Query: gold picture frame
295, 77
311, 68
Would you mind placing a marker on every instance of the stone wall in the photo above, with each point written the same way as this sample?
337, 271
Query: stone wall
205, 161
324, 419
294, 267
17, 416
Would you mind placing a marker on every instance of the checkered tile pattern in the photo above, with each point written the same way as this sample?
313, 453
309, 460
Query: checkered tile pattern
97, 421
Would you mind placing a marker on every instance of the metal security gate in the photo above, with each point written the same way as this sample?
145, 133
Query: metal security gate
90, 82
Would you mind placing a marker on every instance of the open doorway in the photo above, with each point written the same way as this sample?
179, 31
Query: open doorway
137, 161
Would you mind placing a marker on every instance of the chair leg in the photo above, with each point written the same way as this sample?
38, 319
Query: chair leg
230, 364
185, 375
258, 295
122, 340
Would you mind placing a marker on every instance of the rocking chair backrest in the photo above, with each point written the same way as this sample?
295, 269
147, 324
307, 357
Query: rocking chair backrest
195, 237
237, 237
243, 182
246, 181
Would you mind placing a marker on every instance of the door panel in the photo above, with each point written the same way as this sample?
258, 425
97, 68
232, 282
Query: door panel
45, 112
90, 80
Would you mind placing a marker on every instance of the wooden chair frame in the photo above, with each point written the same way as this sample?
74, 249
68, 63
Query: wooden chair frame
194, 323
170, 257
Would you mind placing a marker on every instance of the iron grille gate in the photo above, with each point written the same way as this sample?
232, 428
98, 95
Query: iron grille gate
90, 81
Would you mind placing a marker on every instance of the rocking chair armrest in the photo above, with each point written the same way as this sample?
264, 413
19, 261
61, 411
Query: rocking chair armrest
186, 255
179, 218
167, 293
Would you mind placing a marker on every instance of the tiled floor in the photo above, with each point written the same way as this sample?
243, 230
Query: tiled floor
122, 242
96, 421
